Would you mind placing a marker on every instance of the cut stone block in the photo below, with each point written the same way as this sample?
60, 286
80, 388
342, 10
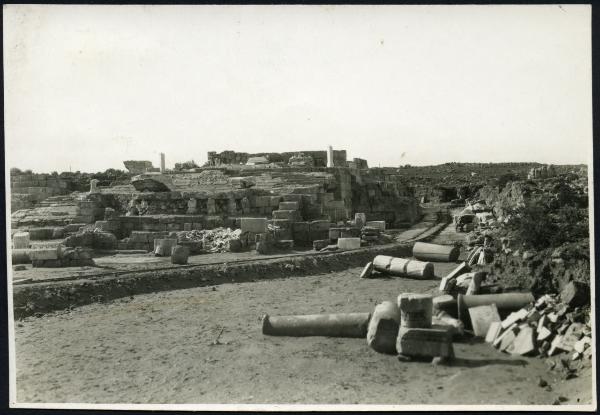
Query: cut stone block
443, 320
383, 328
445, 303
482, 317
21, 240
179, 255
514, 318
460, 269
493, 331
524, 342
284, 244
320, 244
379, 224
421, 342
415, 310
504, 334
254, 225
289, 205
44, 254
164, 247
360, 219
543, 334
348, 243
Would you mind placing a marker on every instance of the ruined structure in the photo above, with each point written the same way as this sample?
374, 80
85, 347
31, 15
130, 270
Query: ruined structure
140, 166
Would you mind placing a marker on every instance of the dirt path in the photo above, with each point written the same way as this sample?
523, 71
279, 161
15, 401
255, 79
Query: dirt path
158, 348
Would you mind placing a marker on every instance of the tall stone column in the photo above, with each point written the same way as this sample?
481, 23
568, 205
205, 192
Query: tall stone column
329, 156
162, 162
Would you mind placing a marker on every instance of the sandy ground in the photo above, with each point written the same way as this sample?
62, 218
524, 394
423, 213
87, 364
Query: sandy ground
158, 348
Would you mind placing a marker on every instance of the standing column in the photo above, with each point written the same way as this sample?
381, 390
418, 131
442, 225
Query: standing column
329, 156
162, 162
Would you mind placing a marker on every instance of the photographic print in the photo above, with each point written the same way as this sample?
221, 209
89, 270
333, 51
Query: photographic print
349, 207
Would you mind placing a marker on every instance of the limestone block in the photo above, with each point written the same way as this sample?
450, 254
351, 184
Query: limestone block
292, 215
289, 205
524, 342
514, 317
348, 243
320, 244
415, 310
179, 255
163, 247
383, 327
379, 224
482, 317
255, 225
21, 240
421, 342
493, 331
44, 254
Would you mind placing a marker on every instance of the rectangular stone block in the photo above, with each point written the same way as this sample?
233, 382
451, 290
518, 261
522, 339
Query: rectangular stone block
425, 342
289, 205
254, 225
514, 318
320, 225
44, 254
482, 317
187, 226
524, 342
335, 233
379, 224
262, 201
21, 240
348, 243
460, 269
292, 215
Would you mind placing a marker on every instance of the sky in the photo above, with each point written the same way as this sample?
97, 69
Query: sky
87, 87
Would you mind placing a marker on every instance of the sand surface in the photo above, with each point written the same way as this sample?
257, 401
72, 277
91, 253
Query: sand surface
158, 348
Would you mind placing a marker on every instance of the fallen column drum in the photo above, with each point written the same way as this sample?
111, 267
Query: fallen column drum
434, 252
329, 325
505, 303
403, 267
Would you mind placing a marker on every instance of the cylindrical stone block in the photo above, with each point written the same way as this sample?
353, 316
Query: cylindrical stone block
383, 328
434, 252
505, 303
329, 325
382, 263
415, 310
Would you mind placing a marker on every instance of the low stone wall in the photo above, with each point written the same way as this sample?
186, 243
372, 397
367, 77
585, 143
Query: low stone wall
30, 299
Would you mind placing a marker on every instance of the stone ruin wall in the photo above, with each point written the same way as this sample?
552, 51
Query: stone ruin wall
29, 189
319, 157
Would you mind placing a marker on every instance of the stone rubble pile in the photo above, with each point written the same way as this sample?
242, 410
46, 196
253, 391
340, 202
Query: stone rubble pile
213, 240
553, 325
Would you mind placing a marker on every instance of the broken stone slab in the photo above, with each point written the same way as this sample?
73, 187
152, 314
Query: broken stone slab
445, 303
367, 271
543, 333
514, 329
348, 243
416, 310
524, 342
425, 343
514, 318
581, 344
475, 284
482, 317
442, 319
460, 269
505, 302
383, 328
493, 331
575, 294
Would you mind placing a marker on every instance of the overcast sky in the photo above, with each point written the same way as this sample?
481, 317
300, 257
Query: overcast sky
87, 87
